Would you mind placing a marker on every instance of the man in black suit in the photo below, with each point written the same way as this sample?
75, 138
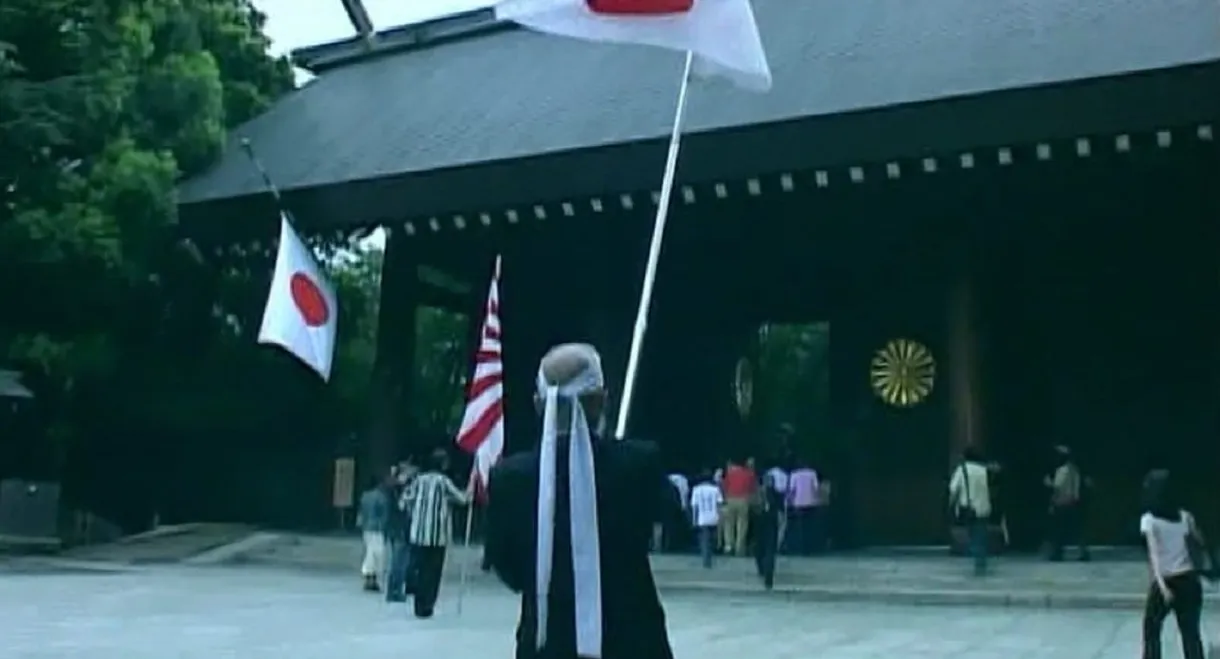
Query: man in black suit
583, 571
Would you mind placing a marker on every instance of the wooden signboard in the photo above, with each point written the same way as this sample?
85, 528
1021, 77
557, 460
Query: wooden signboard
345, 483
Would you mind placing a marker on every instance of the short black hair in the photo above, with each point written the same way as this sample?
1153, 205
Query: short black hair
435, 461
1161, 496
972, 453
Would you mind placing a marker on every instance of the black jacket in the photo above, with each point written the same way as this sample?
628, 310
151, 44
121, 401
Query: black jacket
632, 492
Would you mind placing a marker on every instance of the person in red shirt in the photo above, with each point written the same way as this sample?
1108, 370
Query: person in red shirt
740, 484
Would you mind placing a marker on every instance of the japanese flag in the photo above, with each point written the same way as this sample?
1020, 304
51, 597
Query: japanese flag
300, 313
722, 34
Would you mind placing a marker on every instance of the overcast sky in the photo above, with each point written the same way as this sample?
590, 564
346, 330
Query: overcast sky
296, 23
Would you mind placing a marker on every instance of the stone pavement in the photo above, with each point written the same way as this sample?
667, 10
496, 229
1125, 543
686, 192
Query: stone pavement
256, 612
909, 579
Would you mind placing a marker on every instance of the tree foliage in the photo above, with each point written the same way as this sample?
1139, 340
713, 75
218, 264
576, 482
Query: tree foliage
793, 382
104, 106
442, 359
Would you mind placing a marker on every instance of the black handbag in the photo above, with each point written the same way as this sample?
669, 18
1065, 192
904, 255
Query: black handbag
1202, 555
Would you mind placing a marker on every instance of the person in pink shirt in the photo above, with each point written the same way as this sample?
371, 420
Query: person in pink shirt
804, 509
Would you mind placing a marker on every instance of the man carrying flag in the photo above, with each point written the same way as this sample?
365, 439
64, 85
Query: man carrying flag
578, 598
569, 522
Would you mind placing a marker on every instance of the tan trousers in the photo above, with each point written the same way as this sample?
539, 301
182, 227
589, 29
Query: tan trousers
734, 525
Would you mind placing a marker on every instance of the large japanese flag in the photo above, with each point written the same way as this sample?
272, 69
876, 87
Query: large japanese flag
722, 34
300, 313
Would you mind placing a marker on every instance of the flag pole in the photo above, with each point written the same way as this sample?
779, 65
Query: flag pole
654, 251
464, 567
262, 171
272, 188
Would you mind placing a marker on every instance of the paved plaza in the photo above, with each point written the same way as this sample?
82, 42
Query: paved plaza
261, 612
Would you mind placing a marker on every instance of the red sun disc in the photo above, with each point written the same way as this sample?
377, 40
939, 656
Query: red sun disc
640, 7
310, 301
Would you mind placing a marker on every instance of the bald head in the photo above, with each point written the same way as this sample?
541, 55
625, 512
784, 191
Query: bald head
565, 364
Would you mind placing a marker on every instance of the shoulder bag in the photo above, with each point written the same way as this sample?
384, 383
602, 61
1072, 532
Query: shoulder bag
963, 512
1202, 555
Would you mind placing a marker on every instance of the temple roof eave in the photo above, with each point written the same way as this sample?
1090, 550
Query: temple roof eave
1131, 103
460, 95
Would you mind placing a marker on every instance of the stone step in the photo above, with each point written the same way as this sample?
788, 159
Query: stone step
163, 545
941, 580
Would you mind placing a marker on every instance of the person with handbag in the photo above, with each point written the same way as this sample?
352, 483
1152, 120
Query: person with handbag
970, 502
1066, 485
1177, 558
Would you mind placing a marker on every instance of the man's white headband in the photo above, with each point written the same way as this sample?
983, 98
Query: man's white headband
582, 495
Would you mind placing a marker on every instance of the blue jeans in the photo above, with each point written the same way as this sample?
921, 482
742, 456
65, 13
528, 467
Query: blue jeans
707, 544
396, 589
977, 541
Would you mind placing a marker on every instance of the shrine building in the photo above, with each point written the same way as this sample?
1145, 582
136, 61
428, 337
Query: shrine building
1006, 211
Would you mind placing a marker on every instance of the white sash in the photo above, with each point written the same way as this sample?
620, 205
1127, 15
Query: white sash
582, 495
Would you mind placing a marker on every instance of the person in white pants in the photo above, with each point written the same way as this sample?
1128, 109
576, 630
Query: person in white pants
372, 518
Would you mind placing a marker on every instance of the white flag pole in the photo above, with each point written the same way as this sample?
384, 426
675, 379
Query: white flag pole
654, 252
464, 566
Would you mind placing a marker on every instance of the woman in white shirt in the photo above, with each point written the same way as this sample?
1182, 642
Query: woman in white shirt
1168, 531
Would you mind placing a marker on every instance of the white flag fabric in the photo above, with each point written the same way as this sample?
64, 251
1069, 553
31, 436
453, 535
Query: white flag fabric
722, 34
301, 307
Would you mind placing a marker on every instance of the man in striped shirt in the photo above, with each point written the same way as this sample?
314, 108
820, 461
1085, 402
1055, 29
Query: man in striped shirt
430, 498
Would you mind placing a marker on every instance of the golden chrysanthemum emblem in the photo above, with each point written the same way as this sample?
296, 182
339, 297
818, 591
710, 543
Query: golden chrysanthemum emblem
903, 372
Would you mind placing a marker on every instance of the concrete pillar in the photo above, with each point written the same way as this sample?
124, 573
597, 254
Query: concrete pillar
963, 366
394, 366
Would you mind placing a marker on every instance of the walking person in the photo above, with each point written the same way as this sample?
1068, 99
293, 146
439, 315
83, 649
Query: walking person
970, 500
431, 498
777, 475
677, 523
767, 527
705, 503
372, 517
1169, 532
1066, 486
740, 486
804, 511
570, 522
397, 588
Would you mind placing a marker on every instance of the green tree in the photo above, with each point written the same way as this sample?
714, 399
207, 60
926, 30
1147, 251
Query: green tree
357, 280
103, 107
442, 359
793, 383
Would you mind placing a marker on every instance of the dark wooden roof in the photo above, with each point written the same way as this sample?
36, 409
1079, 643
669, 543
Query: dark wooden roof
430, 121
